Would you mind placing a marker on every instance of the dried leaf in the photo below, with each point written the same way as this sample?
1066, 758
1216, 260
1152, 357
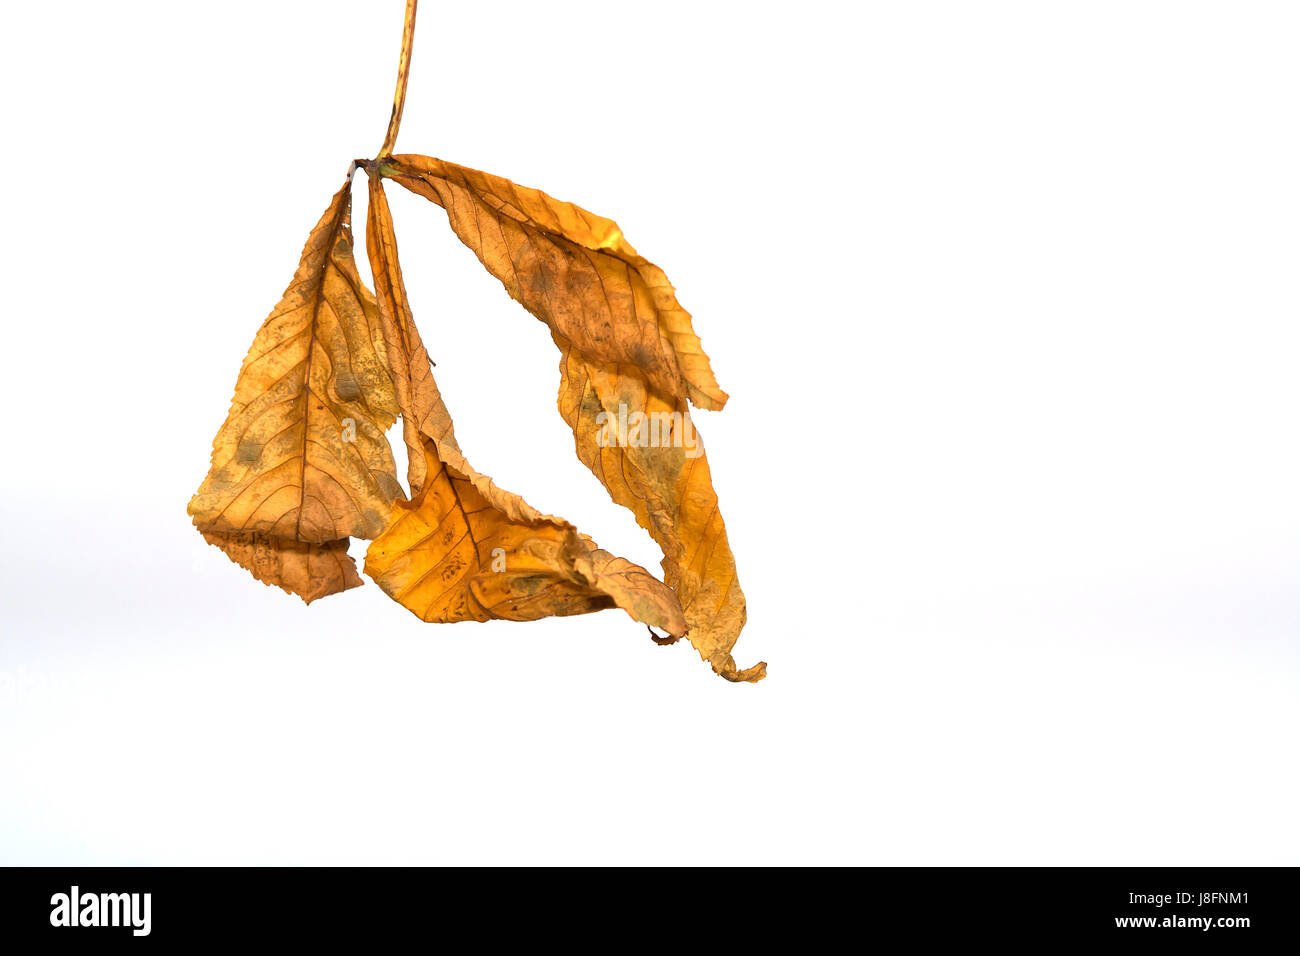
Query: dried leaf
655, 466
462, 548
422, 408
302, 457
575, 271
302, 462
628, 349
310, 571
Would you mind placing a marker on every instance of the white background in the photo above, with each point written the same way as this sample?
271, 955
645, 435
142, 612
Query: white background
1006, 298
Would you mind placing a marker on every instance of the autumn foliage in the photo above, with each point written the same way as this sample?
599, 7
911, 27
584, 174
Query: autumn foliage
302, 463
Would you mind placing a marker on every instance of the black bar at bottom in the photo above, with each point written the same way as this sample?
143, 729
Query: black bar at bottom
1234, 908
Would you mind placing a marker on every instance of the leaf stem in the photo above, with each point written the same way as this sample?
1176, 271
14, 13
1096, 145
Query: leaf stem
403, 73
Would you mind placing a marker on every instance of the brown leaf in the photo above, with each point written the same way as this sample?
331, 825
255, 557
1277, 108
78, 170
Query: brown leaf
302, 458
302, 462
418, 398
575, 271
628, 349
656, 467
462, 548
465, 550
310, 571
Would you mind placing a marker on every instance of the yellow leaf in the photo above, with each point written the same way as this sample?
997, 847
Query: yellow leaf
662, 476
302, 462
462, 548
302, 457
629, 350
310, 571
418, 398
575, 271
